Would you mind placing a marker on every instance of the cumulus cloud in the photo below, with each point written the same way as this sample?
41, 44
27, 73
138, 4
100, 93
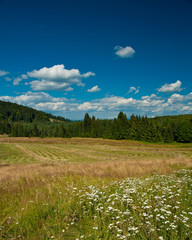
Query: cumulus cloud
124, 52
88, 74
19, 79
31, 98
44, 85
152, 96
94, 89
173, 87
86, 106
43, 101
115, 103
56, 78
105, 107
51, 106
24, 76
8, 79
147, 105
56, 73
133, 89
176, 98
3, 73
69, 89
81, 84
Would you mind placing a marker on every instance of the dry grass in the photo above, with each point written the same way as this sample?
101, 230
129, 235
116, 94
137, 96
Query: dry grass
45, 187
118, 169
92, 141
88, 157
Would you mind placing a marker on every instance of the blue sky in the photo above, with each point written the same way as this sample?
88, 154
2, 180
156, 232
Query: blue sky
98, 56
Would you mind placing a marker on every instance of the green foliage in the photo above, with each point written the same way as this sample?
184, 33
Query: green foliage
62, 207
22, 121
17, 113
164, 129
87, 125
160, 129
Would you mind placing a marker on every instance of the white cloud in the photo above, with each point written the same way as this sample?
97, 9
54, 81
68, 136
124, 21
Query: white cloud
86, 106
44, 85
153, 96
105, 107
56, 73
176, 98
31, 98
94, 89
24, 76
115, 103
8, 79
133, 89
56, 78
188, 108
124, 52
147, 105
51, 106
81, 84
173, 87
88, 74
17, 81
69, 89
3, 73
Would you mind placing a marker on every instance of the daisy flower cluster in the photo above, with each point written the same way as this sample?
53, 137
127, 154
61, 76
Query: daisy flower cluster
157, 207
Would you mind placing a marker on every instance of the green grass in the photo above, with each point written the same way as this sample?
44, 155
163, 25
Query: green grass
9, 154
19, 153
58, 207
78, 189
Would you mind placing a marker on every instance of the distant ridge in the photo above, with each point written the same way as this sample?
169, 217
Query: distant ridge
19, 113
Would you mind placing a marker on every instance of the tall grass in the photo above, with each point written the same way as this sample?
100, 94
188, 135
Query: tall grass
94, 189
74, 207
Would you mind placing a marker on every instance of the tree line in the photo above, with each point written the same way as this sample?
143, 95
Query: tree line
159, 129
20, 121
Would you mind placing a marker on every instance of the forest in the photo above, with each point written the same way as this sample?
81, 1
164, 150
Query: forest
20, 121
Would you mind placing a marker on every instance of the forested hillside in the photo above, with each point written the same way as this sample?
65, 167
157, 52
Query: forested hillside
14, 116
17, 120
16, 113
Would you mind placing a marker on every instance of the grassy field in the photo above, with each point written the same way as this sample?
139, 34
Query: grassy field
76, 188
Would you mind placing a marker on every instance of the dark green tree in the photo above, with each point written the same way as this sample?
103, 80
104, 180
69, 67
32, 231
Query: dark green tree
87, 125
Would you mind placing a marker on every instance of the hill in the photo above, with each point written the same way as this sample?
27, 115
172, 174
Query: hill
14, 112
17, 120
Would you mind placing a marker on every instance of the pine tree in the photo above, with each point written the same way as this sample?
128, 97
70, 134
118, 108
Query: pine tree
168, 134
121, 125
87, 125
133, 127
35, 131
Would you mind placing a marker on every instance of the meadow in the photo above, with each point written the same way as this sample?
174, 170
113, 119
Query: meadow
81, 188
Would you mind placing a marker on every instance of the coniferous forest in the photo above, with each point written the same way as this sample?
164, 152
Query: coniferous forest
20, 121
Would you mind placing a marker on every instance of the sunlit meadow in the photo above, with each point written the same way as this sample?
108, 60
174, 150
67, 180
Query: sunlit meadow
157, 207
133, 198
